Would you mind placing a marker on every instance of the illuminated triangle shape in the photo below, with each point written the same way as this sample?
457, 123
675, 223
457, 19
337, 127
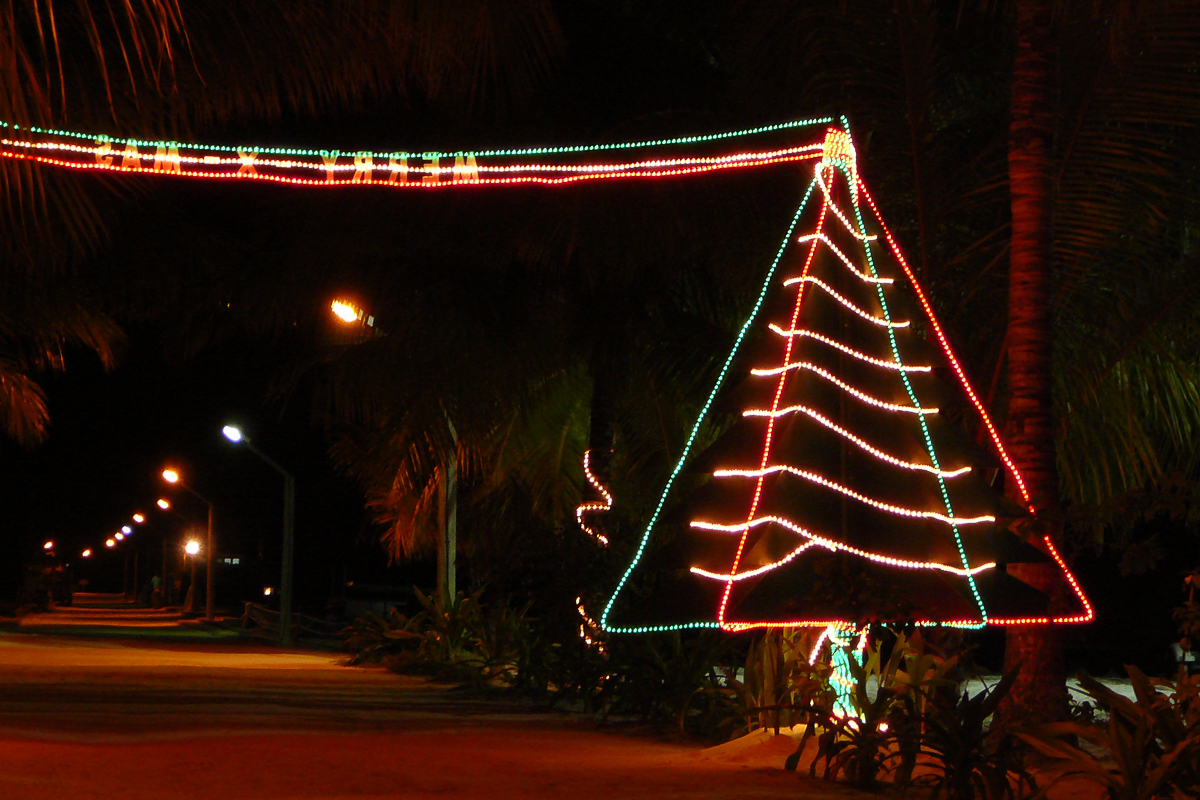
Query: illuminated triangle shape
844, 491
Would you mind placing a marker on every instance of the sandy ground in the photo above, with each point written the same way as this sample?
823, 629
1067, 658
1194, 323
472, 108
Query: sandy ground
114, 702
98, 718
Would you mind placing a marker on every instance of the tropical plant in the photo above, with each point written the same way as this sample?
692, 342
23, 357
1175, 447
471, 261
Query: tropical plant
1150, 745
880, 733
860, 745
779, 686
970, 758
462, 641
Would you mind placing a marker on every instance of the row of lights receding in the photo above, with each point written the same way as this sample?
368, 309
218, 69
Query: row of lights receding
347, 312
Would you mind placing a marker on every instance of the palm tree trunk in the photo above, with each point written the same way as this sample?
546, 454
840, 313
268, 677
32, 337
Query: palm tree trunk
1041, 686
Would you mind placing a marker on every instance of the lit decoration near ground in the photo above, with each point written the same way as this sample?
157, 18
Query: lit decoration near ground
846, 441
589, 631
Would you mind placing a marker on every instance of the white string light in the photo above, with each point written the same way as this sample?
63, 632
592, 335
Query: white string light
866, 398
830, 544
837, 487
820, 237
850, 351
828, 423
880, 321
741, 576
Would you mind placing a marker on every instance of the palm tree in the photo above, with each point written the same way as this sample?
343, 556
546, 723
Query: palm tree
1029, 426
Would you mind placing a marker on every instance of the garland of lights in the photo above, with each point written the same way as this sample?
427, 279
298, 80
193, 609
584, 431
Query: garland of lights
398, 169
556, 166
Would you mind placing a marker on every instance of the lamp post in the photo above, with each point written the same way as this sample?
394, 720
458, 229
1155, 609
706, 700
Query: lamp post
171, 476
192, 548
447, 542
234, 434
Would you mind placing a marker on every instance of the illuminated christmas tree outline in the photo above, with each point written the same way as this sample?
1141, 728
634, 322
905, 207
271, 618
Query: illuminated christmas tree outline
839, 157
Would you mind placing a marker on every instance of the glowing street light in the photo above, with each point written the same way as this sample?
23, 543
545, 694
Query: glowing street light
125, 529
172, 476
232, 433
118, 536
48, 546
350, 313
345, 311
192, 548
163, 503
86, 554
109, 543
139, 519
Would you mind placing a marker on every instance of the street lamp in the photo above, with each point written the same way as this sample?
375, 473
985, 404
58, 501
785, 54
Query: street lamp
172, 476
139, 519
350, 314
109, 543
192, 548
447, 546
125, 529
86, 554
118, 536
163, 503
234, 434
345, 311
48, 546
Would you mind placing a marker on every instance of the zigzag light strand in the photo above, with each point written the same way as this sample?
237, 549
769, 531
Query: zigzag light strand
586, 508
842, 678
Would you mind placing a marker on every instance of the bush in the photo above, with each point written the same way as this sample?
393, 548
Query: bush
1151, 744
463, 642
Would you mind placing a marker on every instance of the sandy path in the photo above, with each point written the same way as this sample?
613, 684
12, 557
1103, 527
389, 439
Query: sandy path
103, 719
